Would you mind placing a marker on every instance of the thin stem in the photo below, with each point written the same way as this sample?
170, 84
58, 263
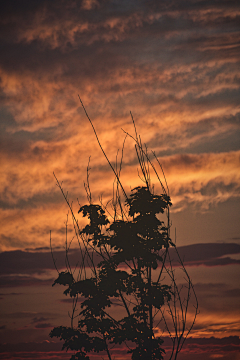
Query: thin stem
102, 148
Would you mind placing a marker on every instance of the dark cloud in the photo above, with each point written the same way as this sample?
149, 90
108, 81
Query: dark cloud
13, 262
13, 240
107, 25
23, 262
21, 141
213, 290
32, 202
18, 280
40, 322
204, 143
43, 326
45, 346
70, 300
35, 316
213, 345
11, 294
39, 319
235, 238
201, 137
215, 298
208, 254
230, 340
20, 315
222, 142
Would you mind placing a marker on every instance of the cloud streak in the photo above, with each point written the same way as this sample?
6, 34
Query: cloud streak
39, 262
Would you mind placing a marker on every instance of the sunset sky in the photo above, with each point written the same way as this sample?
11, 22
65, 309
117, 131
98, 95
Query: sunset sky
175, 66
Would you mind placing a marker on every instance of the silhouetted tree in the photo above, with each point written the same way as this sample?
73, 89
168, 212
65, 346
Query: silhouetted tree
125, 261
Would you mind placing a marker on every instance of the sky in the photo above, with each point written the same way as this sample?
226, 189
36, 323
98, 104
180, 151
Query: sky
175, 66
